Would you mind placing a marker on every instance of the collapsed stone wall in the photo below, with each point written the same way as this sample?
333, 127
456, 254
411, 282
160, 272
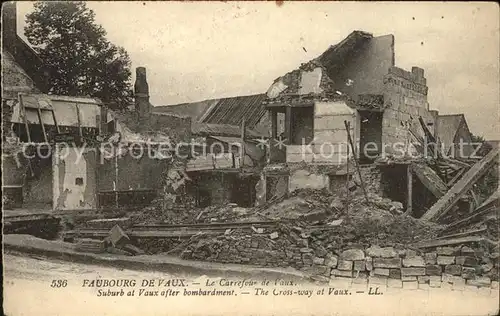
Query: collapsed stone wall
398, 267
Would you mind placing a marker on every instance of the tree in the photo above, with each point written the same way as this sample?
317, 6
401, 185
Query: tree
81, 61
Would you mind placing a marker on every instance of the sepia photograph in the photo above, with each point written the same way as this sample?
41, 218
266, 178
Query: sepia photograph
250, 158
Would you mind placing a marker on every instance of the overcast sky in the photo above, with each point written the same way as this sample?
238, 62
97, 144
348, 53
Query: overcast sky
194, 51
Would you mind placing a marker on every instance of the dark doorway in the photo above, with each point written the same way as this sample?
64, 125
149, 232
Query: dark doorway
302, 131
395, 183
370, 138
243, 191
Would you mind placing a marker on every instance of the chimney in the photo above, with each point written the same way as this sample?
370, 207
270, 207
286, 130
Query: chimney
418, 72
141, 92
9, 25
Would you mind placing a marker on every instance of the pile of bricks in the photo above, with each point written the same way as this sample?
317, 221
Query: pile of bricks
444, 267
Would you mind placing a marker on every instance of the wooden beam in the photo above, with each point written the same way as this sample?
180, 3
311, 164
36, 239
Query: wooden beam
79, 121
430, 180
39, 113
409, 176
448, 242
447, 201
347, 128
274, 123
456, 177
288, 125
463, 234
242, 153
26, 125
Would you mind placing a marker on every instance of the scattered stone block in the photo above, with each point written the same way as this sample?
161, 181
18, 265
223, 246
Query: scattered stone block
331, 261
342, 273
444, 260
415, 261
360, 275
409, 253
352, 255
480, 281
274, 235
434, 281
466, 261
486, 267
446, 251
394, 283
451, 278
467, 251
395, 273
423, 279
359, 265
381, 272
305, 250
344, 265
118, 237
387, 263
453, 269
407, 278
433, 270
318, 260
412, 271
468, 273
430, 258
378, 252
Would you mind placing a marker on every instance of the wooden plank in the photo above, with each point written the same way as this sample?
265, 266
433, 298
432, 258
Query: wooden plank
39, 113
26, 125
55, 121
79, 120
448, 242
489, 205
288, 125
447, 201
409, 196
430, 179
463, 234
347, 128
456, 177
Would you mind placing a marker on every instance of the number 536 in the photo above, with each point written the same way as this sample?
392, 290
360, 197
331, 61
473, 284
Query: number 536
59, 283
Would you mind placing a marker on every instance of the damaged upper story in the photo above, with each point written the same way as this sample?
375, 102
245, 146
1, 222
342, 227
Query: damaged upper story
357, 81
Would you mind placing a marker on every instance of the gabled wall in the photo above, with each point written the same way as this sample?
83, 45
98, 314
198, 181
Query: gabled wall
366, 67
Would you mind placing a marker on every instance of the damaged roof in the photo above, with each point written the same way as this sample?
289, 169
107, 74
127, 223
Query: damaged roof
206, 129
447, 127
228, 111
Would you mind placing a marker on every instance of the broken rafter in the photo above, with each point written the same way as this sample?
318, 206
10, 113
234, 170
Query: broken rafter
430, 179
347, 128
463, 234
456, 177
447, 201
448, 242
490, 205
